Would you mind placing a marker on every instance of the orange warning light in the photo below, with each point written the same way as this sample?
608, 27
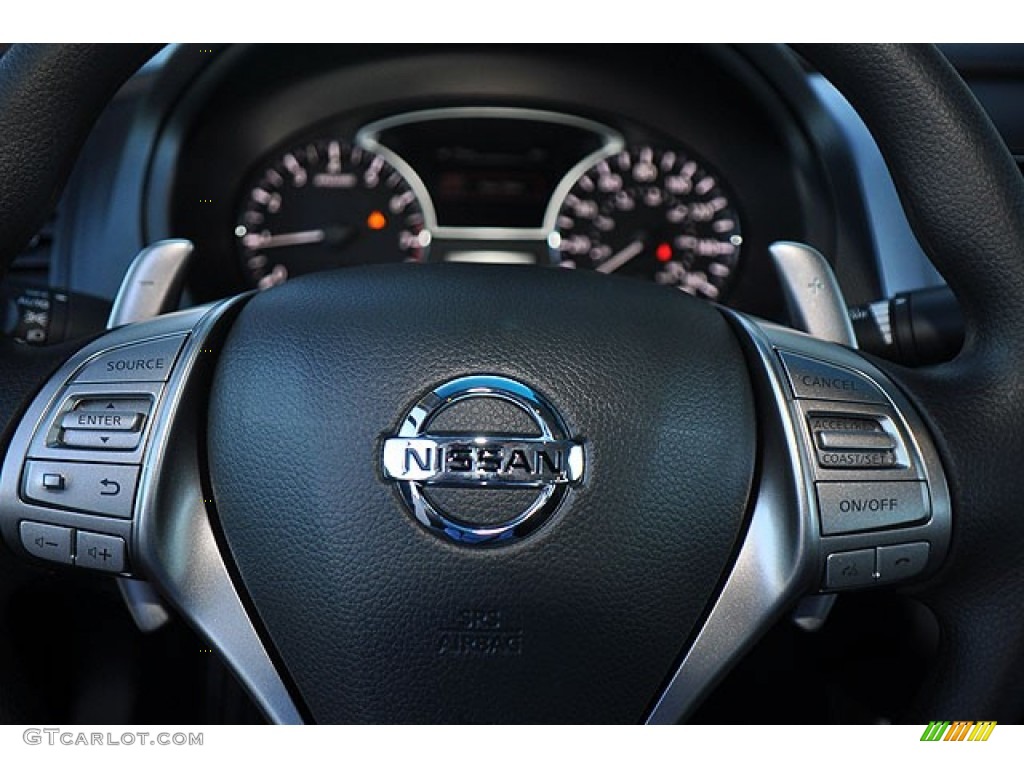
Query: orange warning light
376, 220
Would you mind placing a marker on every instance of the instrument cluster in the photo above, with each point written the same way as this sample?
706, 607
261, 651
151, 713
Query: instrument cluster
490, 185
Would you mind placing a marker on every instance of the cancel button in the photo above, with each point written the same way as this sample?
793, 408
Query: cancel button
847, 507
817, 380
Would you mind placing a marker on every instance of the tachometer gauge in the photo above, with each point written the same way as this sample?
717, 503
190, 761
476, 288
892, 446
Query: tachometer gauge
327, 204
656, 214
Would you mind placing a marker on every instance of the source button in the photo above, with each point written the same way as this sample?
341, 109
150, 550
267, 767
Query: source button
146, 361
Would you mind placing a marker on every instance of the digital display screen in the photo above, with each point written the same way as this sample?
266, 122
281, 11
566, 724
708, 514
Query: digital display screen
490, 171
513, 197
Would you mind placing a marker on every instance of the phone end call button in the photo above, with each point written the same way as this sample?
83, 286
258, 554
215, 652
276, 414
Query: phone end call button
901, 561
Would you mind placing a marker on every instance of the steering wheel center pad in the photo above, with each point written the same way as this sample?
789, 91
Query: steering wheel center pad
375, 618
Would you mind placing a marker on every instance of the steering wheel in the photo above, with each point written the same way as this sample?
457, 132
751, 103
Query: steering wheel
477, 493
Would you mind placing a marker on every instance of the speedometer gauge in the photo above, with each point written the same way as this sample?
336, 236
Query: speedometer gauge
327, 204
656, 214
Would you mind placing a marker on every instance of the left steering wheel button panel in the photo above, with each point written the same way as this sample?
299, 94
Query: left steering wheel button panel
145, 361
102, 489
72, 478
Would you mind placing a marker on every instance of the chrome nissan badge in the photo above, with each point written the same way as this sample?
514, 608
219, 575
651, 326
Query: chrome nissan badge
526, 473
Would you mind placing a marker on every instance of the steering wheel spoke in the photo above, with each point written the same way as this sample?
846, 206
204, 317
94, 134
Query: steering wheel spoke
851, 495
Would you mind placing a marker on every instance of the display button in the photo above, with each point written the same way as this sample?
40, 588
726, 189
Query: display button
53, 482
104, 441
50, 542
106, 420
816, 380
850, 569
901, 561
147, 361
846, 507
99, 552
104, 489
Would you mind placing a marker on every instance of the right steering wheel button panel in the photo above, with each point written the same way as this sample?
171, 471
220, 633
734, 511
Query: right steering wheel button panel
870, 482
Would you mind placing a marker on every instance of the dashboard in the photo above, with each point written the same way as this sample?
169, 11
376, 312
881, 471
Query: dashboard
681, 167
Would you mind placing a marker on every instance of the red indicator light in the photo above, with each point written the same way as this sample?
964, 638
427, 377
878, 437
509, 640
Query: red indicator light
663, 252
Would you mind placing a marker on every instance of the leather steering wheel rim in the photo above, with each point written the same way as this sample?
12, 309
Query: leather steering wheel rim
965, 201
964, 198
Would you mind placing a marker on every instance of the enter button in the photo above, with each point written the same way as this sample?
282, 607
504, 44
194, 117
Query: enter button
108, 421
847, 507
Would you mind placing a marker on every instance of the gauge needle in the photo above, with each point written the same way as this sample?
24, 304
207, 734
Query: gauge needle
262, 242
621, 258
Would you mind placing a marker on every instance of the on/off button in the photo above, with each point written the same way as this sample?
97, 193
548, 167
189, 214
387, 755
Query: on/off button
848, 507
